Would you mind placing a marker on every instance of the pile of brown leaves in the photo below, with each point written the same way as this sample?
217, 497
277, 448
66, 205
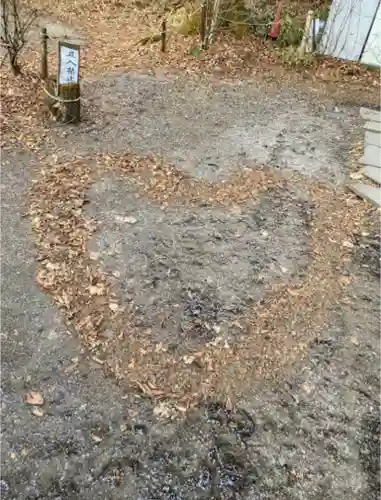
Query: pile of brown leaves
21, 112
277, 331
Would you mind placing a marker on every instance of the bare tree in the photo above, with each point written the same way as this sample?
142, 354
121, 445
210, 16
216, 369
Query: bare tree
14, 26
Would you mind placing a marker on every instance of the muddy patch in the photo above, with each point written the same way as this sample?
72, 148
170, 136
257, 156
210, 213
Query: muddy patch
187, 273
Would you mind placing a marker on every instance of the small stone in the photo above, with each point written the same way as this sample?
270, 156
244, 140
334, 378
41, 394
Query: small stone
4, 488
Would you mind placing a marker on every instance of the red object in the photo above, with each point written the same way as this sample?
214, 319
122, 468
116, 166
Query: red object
275, 28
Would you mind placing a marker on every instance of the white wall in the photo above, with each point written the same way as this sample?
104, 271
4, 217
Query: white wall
347, 28
372, 51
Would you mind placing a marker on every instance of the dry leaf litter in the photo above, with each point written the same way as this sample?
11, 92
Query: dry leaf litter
277, 331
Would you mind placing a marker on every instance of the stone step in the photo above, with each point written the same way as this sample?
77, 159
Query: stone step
373, 138
373, 173
370, 114
372, 156
369, 193
373, 126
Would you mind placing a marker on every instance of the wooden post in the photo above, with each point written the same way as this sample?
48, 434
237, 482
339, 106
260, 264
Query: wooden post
44, 54
203, 25
68, 82
305, 46
163, 35
71, 103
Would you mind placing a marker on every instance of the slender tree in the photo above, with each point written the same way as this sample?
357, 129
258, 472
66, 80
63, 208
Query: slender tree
14, 26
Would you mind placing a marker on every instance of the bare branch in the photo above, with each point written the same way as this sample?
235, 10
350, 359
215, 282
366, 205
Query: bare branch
14, 26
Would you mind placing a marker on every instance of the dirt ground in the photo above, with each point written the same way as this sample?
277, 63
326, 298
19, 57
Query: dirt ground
312, 432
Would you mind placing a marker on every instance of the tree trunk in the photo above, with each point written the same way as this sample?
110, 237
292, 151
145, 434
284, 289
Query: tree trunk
16, 70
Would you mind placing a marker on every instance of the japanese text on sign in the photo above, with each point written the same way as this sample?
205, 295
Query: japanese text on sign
69, 65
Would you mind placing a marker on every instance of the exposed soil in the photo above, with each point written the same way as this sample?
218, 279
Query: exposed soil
236, 124
188, 272
312, 432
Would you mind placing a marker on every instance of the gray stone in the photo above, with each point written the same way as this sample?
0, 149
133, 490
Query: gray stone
373, 173
369, 193
373, 138
370, 114
372, 156
374, 126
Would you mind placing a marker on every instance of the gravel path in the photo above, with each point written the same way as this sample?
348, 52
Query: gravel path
313, 435
210, 130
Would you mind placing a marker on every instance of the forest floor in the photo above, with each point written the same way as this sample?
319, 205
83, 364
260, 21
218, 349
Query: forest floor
190, 296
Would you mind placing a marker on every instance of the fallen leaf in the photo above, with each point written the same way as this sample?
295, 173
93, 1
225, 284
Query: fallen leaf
97, 360
96, 289
356, 176
96, 438
182, 409
34, 398
37, 412
348, 244
94, 255
113, 306
188, 360
51, 267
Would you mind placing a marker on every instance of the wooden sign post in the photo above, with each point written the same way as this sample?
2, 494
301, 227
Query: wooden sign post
68, 82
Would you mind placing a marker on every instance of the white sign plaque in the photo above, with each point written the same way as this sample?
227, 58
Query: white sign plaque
68, 65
